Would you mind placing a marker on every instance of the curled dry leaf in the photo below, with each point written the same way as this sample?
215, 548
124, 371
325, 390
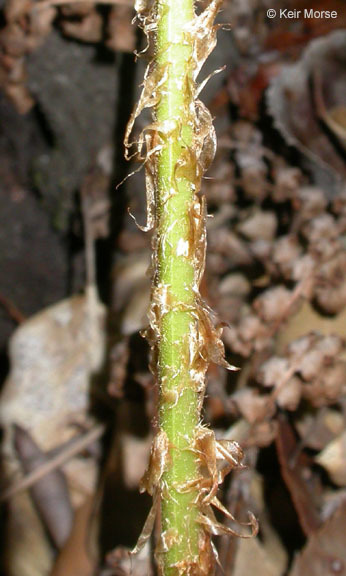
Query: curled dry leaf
292, 104
296, 472
50, 494
53, 357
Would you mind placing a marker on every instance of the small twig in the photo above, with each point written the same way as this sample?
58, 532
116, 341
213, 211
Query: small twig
80, 443
11, 310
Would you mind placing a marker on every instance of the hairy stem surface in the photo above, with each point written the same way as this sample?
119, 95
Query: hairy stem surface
179, 413
187, 463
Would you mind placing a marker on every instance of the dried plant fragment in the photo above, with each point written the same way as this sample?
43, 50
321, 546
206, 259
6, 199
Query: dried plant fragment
53, 356
50, 494
291, 103
303, 486
325, 551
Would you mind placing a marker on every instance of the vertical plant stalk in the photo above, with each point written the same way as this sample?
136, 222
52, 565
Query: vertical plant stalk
176, 149
179, 397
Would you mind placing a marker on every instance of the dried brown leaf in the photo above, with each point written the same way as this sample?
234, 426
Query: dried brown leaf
297, 474
50, 494
325, 552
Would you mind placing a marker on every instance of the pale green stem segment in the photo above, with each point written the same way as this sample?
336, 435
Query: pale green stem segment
179, 413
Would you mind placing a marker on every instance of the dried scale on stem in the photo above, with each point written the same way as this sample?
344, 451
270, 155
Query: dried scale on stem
187, 463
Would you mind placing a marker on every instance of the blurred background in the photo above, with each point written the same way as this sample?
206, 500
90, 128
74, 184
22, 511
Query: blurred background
78, 403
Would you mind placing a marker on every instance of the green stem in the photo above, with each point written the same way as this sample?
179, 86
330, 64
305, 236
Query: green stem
176, 149
179, 409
